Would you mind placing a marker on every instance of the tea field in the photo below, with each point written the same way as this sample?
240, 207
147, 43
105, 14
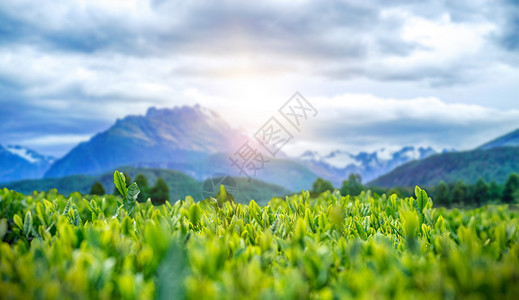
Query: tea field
329, 247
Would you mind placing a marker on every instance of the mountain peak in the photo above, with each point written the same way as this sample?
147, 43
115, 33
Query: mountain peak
195, 109
309, 155
508, 140
163, 135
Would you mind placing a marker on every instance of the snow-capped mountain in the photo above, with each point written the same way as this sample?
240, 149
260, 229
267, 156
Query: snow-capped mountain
17, 163
337, 165
29, 155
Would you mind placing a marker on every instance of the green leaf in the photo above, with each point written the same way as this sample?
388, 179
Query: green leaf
195, 214
133, 192
421, 197
419, 211
67, 207
360, 229
41, 213
3, 228
222, 195
77, 218
120, 183
410, 225
27, 224
18, 221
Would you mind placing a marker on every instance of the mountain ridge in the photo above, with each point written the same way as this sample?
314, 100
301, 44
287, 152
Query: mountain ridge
18, 163
510, 139
468, 166
369, 165
494, 160
176, 134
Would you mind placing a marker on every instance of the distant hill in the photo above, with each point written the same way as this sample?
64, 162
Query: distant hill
287, 173
162, 135
508, 140
490, 164
180, 185
17, 163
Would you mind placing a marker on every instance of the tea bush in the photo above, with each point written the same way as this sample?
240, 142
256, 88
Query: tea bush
329, 247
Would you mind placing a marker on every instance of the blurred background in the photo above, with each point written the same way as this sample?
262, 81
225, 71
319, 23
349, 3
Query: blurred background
406, 93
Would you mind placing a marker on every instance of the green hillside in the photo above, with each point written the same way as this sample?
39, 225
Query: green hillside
64, 185
179, 183
284, 172
490, 164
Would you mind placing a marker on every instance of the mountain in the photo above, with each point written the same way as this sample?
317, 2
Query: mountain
494, 160
511, 139
180, 185
19, 163
162, 135
193, 140
489, 164
337, 165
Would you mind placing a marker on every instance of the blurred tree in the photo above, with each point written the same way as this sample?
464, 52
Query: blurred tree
459, 193
97, 189
495, 191
442, 194
352, 186
160, 192
480, 193
511, 190
320, 185
142, 182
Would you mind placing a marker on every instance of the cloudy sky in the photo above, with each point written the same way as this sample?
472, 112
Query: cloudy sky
384, 74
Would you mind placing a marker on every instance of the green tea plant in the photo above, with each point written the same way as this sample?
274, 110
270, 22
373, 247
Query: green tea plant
329, 247
130, 193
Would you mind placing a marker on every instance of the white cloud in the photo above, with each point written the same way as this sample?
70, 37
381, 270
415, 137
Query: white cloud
367, 109
64, 139
361, 122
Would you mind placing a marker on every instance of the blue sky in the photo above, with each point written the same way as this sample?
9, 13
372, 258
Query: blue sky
382, 74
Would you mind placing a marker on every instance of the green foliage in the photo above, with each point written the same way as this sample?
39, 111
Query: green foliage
329, 247
511, 190
321, 185
352, 186
97, 189
160, 192
129, 194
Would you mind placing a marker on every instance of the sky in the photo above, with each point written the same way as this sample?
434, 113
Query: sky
381, 74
